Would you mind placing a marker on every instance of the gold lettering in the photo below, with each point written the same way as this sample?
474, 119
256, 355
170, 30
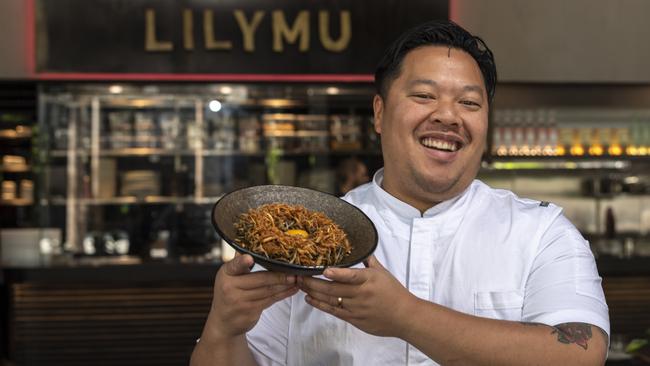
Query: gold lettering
150, 41
281, 30
211, 43
188, 34
248, 29
324, 31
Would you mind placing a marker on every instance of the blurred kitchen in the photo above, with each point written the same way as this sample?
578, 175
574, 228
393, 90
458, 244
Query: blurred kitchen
123, 122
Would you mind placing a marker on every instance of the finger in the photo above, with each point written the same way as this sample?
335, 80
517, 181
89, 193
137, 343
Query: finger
353, 276
265, 303
333, 300
264, 279
372, 262
317, 285
238, 254
337, 311
266, 292
239, 265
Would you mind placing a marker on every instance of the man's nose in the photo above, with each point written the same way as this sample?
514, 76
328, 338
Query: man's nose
446, 112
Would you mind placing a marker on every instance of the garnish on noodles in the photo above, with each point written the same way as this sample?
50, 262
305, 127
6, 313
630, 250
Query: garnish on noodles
293, 234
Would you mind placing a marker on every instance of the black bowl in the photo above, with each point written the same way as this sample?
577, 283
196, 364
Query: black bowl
360, 231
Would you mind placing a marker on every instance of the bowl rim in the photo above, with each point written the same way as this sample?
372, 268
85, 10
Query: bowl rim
262, 258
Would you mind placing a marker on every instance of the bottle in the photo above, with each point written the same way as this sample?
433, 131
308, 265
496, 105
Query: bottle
610, 224
595, 145
501, 141
577, 148
614, 143
551, 146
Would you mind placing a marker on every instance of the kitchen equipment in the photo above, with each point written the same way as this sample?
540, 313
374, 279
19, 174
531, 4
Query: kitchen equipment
140, 183
22, 247
360, 230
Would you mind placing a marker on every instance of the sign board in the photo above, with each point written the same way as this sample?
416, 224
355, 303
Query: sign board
231, 37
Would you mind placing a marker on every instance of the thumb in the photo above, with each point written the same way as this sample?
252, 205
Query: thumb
239, 265
372, 262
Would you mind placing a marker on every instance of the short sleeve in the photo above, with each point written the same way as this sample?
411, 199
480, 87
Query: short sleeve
269, 337
564, 285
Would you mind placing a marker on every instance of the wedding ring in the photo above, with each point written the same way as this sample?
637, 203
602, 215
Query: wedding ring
339, 301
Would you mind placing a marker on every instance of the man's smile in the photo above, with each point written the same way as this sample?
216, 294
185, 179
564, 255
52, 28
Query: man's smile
437, 144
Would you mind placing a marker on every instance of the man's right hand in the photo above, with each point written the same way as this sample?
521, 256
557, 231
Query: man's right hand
240, 296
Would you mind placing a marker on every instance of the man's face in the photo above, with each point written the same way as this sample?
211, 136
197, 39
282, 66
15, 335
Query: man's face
433, 125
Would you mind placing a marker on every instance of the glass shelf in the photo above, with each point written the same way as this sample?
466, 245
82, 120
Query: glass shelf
15, 169
555, 163
16, 202
132, 200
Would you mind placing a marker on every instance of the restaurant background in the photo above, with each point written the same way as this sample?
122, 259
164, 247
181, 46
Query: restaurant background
110, 167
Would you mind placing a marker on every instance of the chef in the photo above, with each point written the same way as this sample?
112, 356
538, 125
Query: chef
463, 273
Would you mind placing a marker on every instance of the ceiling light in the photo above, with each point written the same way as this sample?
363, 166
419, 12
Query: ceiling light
214, 105
115, 89
332, 90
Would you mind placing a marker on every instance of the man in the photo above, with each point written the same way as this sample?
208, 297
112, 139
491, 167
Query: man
463, 274
350, 174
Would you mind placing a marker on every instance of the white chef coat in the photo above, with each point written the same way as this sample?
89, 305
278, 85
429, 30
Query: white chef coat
485, 252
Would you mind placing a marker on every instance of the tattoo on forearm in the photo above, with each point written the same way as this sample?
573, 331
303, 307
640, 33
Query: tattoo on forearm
578, 333
567, 333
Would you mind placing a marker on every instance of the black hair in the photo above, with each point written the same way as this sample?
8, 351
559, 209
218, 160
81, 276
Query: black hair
435, 33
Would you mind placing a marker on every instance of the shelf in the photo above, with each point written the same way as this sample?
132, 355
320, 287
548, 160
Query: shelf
556, 164
146, 152
20, 132
15, 169
299, 134
16, 202
175, 101
132, 200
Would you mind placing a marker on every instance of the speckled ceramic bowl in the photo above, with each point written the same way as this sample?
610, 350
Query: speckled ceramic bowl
360, 230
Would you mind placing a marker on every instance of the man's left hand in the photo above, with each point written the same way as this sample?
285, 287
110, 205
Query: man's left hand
369, 298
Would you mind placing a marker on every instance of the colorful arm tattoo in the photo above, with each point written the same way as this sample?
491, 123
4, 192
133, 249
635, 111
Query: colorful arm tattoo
578, 333
567, 333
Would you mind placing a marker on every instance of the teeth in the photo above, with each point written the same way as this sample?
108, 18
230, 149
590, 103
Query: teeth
439, 144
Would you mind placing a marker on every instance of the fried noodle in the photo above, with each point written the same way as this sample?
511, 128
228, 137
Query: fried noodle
293, 234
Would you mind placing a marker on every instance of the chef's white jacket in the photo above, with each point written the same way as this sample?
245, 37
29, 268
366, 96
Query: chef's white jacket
485, 252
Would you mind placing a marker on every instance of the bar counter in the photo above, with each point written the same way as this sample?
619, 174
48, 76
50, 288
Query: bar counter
128, 311
115, 270
136, 271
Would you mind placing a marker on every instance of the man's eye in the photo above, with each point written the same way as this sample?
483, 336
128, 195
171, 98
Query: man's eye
423, 96
470, 103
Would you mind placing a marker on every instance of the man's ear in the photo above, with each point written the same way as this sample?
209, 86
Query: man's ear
378, 108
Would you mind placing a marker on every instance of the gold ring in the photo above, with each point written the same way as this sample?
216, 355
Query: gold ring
339, 301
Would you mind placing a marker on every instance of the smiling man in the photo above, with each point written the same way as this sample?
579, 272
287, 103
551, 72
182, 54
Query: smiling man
433, 124
463, 274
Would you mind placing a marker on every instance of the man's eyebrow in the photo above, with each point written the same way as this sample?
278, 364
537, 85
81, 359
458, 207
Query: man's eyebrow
467, 88
421, 81
473, 88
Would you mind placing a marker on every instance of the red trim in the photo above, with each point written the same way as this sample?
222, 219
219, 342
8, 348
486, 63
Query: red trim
346, 78
30, 38
453, 10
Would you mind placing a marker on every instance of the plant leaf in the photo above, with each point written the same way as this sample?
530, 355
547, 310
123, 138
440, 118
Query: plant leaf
635, 345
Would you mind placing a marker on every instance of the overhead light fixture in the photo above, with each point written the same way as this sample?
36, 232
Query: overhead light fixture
225, 90
115, 89
214, 105
332, 90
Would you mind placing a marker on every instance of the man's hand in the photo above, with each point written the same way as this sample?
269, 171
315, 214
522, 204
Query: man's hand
371, 298
240, 296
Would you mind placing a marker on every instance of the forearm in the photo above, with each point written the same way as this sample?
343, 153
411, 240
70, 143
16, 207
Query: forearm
453, 338
215, 349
